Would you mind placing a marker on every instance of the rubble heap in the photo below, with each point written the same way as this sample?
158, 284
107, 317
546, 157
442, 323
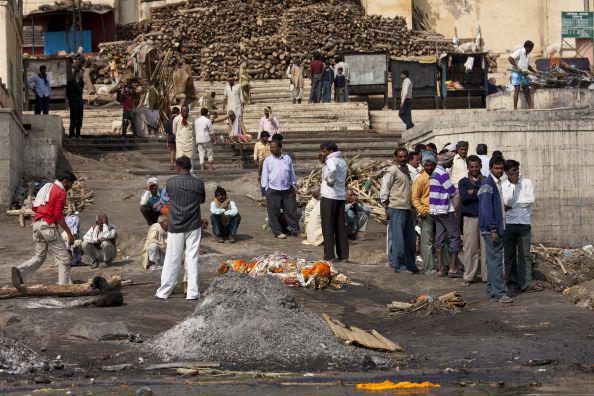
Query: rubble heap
254, 323
215, 37
16, 358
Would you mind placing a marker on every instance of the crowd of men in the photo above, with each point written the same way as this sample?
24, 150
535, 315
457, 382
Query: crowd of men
474, 219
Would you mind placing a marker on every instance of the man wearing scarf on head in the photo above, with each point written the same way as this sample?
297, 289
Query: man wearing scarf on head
395, 196
441, 207
150, 202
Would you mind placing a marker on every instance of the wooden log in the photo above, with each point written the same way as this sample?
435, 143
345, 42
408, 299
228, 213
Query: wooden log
79, 290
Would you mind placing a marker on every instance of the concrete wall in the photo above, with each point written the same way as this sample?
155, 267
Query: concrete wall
554, 149
11, 52
504, 23
12, 140
128, 11
544, 99
390, 8
43, 145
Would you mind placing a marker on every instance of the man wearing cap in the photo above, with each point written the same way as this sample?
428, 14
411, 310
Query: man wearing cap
440, 206
269, 123
420, 200
233, 97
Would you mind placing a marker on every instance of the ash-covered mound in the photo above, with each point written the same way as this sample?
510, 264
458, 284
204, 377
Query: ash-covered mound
15, 358
254, 323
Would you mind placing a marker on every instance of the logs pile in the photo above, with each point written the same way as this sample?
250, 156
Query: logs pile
215, 37
132, 30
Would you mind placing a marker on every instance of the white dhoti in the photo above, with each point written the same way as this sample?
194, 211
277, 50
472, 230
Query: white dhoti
180, 246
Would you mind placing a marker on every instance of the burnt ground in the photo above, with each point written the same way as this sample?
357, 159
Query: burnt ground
486, 346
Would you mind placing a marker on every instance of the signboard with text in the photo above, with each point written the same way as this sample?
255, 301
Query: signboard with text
577, 24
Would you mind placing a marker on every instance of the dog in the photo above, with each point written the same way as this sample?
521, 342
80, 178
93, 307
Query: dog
109, 297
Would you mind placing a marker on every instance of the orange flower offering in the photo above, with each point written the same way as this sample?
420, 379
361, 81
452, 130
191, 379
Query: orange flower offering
386, 385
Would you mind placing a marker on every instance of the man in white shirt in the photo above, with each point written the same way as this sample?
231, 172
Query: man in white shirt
459, 171
414, 162
205, 138
518, 198
269, 123
481, 152
520, 60
405, 111
333, 190
233, 98
99, 242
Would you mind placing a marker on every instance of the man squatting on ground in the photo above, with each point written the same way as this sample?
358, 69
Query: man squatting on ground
99, 243
224, 217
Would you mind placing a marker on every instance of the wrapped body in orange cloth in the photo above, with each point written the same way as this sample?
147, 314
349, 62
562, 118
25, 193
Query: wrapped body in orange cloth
293, 271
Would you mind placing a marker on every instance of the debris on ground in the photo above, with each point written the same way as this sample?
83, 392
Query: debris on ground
563, 268
17, 358
582, 295
451, 302
387, 385
292, 271
255, 324
352, 335
365, 180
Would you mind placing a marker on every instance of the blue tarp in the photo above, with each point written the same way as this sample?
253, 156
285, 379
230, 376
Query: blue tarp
59, 41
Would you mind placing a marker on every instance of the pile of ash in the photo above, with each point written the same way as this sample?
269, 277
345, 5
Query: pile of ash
16, 358
254, 323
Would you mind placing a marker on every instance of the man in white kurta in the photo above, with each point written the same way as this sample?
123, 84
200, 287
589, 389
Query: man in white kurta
233, 97
183, 129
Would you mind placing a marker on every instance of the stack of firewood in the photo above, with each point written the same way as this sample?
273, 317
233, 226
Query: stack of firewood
215, 37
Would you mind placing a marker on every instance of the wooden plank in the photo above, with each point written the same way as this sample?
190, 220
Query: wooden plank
355, 335
79, 290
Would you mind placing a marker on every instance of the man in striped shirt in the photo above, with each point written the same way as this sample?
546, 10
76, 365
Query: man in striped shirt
441, 191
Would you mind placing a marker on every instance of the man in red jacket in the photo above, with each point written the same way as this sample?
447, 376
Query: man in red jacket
49, 214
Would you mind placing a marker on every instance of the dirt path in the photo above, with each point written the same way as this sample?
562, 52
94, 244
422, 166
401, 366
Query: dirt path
486, 342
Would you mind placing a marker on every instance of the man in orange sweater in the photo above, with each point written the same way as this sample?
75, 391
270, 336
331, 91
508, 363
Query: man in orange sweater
420, 201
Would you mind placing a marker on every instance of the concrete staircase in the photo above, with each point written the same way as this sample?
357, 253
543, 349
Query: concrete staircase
236, 159
273, 93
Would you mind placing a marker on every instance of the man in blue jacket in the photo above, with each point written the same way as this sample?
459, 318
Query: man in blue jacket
492, 226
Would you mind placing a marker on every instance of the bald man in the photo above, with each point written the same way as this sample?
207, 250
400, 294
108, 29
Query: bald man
99, 242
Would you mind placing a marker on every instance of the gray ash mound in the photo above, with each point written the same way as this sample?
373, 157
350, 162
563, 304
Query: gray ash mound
254, 323
15, 358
